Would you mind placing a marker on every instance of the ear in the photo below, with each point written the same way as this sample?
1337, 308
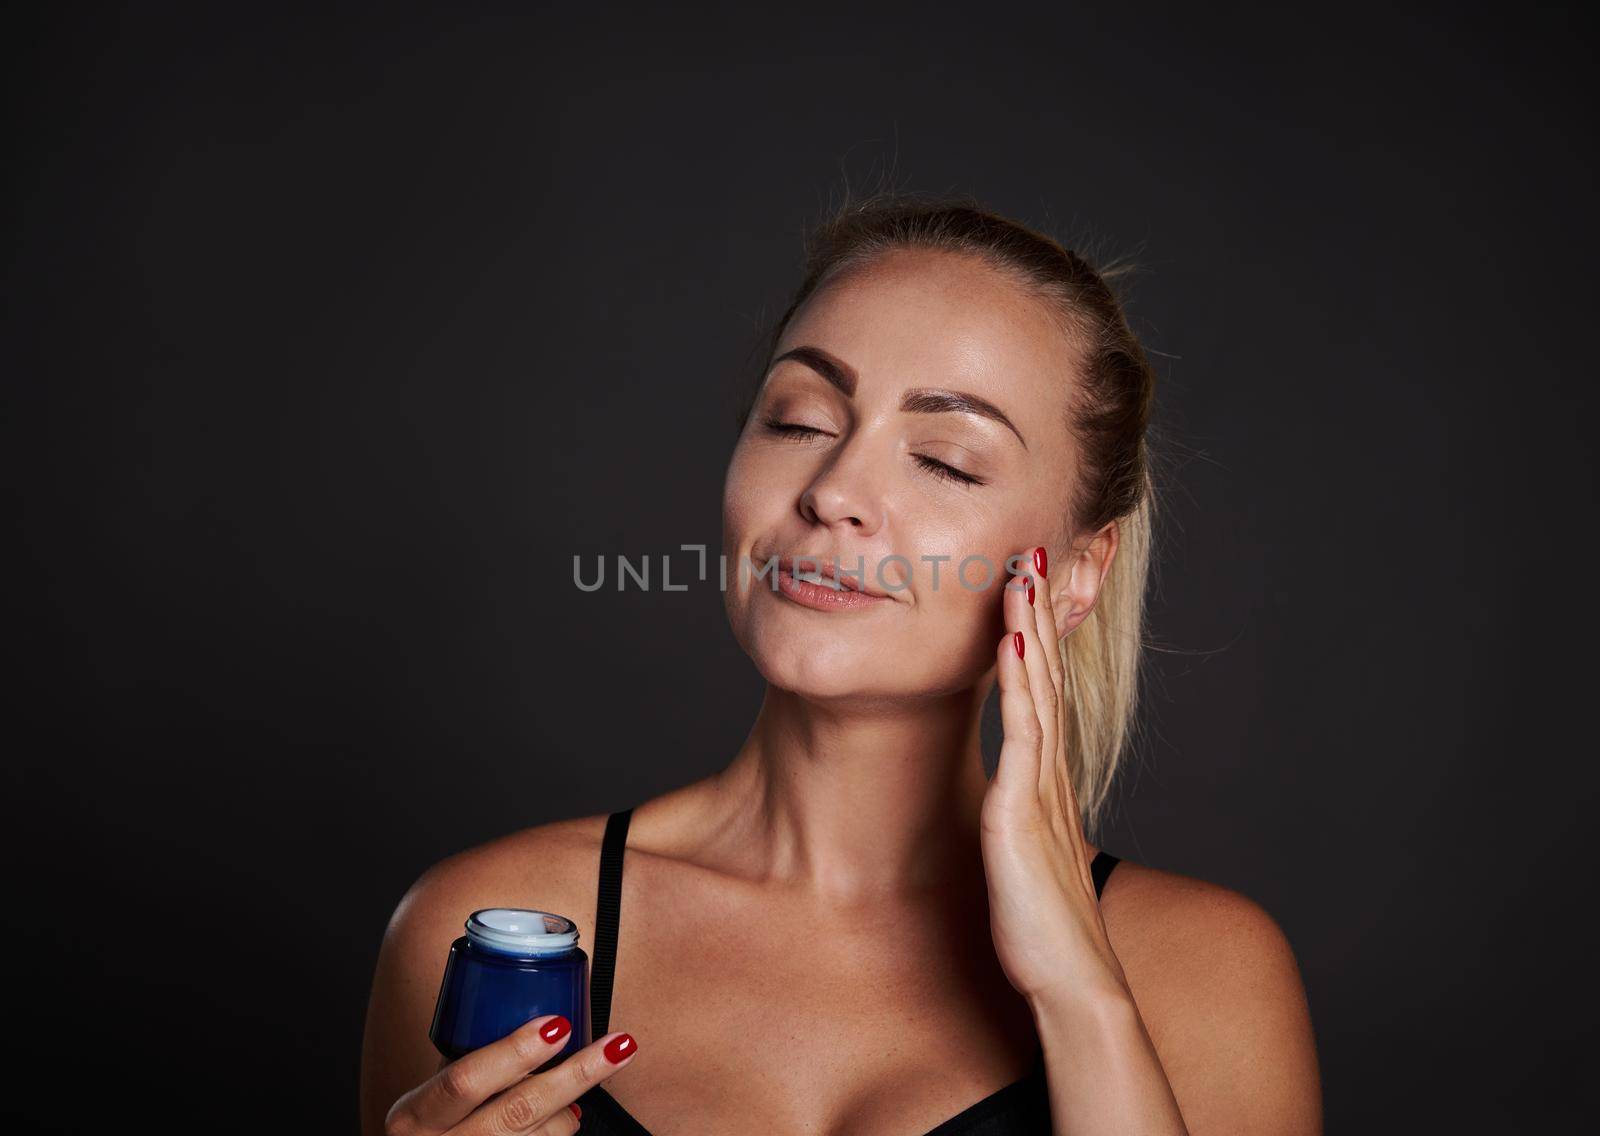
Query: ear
1075, 586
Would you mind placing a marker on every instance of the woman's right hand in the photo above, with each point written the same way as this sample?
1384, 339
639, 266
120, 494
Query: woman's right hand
493, 1091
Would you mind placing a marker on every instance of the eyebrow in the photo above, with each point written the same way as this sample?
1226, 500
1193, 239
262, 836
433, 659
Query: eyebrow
916, 401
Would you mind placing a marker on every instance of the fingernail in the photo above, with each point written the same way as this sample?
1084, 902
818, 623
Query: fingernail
1016, 638
576, 1111
1041, 561
1030, 593
620, 1048
555, 1029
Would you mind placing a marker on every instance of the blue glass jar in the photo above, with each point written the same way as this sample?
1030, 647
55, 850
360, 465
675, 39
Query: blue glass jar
510, 967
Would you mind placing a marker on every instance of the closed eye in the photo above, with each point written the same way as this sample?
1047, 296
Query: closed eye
948, 472
791, 429
939, 469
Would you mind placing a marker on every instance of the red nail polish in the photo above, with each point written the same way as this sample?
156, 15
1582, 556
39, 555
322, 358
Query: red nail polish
1041, 561
555, 1029
1030, 593
577, 1112
620, 1048
1016, 639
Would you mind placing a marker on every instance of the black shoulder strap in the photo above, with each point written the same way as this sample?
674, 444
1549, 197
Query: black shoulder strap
1100, 868
607, 912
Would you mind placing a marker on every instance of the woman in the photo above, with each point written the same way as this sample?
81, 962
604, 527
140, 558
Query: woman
898, 944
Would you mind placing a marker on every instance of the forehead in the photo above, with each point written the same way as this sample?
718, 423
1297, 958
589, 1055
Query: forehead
920, 318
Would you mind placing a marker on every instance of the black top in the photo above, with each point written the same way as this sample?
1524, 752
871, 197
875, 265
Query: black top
1021, 1108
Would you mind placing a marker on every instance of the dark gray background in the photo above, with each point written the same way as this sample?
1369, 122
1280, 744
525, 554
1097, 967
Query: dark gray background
329, 339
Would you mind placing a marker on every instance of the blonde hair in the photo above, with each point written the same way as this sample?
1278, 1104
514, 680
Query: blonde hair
1102, 659
1109, 410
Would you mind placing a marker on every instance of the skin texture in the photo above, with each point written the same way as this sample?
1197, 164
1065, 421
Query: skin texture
849, 929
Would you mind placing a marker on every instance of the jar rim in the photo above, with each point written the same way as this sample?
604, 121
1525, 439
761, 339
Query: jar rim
521, 931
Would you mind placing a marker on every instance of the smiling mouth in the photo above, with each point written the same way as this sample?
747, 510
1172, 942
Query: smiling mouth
826, 590
832, 575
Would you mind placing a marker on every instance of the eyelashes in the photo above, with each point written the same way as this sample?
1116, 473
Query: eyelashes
948, 472
939, 469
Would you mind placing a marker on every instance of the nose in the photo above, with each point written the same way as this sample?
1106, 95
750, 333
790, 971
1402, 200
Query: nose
843, 494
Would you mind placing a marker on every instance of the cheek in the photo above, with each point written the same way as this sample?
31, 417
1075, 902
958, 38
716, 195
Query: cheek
741, 499
972, 565
746, 512
966, 608
958, 618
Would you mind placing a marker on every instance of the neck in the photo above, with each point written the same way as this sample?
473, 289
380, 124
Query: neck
858, 803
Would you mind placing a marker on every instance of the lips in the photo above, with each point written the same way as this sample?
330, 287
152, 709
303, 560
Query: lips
823, 567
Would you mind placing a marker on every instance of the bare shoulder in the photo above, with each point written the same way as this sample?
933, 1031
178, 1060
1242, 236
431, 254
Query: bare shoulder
1221, 995
549, 867
1172, 920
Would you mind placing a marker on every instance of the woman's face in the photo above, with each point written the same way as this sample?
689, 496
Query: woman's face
907, 369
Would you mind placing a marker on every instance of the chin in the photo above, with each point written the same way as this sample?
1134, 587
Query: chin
838, 657
840, 667
822, 665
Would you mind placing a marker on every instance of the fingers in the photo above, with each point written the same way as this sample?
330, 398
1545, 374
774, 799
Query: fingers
1053, 770
564, 1123
460, 1086
1017, 776
1049, 685
544, 1099
1045, 614
1022, 613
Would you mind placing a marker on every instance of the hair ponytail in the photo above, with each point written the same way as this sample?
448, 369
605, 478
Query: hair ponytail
1102, 659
